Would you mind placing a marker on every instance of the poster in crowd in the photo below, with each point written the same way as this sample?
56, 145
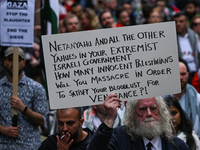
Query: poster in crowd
82, 68
17, 23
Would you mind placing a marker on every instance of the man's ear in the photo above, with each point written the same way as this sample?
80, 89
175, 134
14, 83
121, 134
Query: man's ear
82, 120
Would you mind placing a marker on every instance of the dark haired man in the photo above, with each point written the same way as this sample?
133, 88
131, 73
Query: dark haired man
31, 105
189, 98
76, 9
187, 44
71, 135
106, 19
129, 9
71, 23
191, 9
122, 16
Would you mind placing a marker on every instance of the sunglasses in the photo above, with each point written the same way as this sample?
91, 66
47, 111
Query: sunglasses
195, 24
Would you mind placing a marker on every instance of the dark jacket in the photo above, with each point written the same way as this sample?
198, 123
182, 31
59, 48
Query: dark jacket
118, 139
51, 142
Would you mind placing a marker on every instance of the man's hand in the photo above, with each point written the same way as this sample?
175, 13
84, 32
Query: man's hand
111, 103
17, 103
64, 143
10, 131
33, 116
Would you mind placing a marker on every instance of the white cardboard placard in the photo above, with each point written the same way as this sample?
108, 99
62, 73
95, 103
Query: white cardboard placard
134, 62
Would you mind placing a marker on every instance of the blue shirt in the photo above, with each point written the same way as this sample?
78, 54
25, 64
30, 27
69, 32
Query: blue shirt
33, 96
182, 102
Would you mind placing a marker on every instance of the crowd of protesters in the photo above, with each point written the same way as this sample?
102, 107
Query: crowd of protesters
77, 125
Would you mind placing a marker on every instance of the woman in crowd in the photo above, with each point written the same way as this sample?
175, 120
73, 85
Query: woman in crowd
181, 124
88, 19
154, 16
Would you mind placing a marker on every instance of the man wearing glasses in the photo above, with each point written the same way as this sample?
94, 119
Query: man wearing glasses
189, 98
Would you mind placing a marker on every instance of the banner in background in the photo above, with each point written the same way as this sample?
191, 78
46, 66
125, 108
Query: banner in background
51, 15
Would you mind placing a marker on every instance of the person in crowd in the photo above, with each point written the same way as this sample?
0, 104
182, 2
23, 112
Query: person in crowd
181, 124
31, 105
173, 8
111, 5
2, 68
61, 28
67, 4
122, 17
94, 116
187, 44
37, 31
71, 135
106, 20
166, 15
146, 11
195, 25
71, 23
188, 98
87, 3
99, 6
154, 16
178, 3
32, 68
62, 9
147, 125
129, 9
191, 9
88, 19
195, 81
76, 9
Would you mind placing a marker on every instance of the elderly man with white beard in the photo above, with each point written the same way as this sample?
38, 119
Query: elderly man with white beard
147, 126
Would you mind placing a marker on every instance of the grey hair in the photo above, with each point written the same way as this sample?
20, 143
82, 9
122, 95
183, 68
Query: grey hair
164, 118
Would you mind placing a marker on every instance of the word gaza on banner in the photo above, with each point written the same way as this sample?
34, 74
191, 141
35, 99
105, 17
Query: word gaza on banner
17, 21
135, 62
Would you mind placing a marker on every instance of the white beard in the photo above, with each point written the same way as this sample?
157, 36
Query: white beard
149, 128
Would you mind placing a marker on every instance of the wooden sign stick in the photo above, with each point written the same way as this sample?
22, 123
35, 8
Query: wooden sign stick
15, 83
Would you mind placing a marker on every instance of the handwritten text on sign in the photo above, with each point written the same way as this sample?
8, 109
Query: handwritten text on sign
135, 62
17, 21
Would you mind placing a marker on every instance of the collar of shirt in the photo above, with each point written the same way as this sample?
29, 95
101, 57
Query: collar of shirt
185, 36
5, 80
156, 142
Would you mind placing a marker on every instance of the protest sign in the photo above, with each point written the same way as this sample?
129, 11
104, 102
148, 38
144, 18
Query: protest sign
135, 62
17, 23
